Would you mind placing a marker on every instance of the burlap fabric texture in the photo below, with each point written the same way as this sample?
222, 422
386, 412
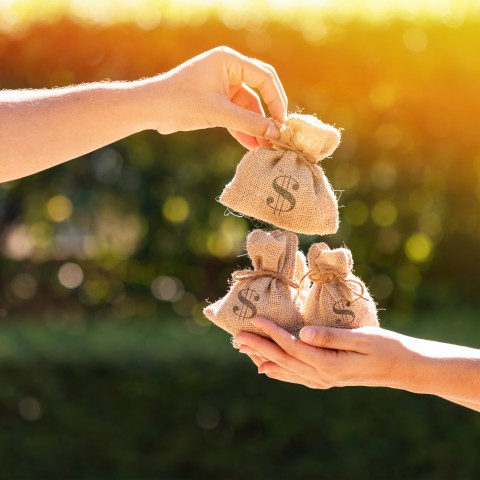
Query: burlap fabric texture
284, 185
337, 298
269, 290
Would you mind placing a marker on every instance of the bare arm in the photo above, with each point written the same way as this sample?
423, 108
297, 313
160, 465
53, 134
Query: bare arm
42, 128
369, 356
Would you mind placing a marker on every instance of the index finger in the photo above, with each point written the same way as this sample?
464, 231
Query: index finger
255, 74
277, 80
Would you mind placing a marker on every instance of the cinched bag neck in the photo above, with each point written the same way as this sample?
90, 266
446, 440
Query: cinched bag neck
308, 136
273, 251
333, 267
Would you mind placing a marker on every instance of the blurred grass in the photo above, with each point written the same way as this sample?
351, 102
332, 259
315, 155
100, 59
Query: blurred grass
171, 339
146, 399
134, 341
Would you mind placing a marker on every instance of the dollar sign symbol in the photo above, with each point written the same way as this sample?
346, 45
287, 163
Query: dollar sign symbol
248, 309
282, 185
340, 308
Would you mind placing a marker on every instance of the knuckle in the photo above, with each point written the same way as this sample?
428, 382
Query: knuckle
269, 76
291, 346
326, 338
223, 50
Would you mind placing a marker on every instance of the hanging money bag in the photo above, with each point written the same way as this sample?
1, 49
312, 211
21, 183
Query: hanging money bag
268, 290
283, 185
337, 298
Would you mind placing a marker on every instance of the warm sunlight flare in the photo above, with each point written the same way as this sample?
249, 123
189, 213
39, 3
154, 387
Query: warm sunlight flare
150, 13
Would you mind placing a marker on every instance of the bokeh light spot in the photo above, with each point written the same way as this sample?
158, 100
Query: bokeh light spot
208, 416
388, 240
383, 174
418, 247
176, 209
169, 289
24, 286
41, 234
384, 213
95, 290
185, 305
381, 286
70, 275
430, 223
220, 245
30, 409
356, 213
59, 208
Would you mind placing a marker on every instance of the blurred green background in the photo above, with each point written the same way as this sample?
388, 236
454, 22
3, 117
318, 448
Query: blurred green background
109, 369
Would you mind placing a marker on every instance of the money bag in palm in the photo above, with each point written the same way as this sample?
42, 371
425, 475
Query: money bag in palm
337, 297
269, 290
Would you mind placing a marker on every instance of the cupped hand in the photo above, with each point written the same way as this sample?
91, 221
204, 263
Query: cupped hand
329, 357
214, 89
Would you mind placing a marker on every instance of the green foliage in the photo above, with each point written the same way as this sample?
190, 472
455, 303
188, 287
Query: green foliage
106, 234
141, 400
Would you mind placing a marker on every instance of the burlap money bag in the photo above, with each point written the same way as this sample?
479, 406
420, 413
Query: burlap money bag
284, 185
268, 290
337, 298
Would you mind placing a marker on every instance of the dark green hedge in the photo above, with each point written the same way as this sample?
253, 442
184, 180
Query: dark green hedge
141, 402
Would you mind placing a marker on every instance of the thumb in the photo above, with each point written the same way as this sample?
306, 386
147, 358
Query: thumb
236, 118
334, 338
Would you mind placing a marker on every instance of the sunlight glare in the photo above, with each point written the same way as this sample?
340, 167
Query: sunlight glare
149, 13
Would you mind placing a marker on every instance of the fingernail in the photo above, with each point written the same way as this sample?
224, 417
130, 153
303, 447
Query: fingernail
272, 132
307, 334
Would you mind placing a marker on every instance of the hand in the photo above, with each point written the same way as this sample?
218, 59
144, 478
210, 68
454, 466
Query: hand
368, 356
42, 128
213, 90
333, 357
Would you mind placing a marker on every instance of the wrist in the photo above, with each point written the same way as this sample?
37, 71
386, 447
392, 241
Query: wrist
152, 97
140, 101
404, 372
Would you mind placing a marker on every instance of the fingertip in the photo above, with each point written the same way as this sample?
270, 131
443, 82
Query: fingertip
281, 117
307, 334
278, 115
273, 132
237, 341
256, 322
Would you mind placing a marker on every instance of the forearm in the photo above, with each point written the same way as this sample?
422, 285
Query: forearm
42, 128
449, 371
